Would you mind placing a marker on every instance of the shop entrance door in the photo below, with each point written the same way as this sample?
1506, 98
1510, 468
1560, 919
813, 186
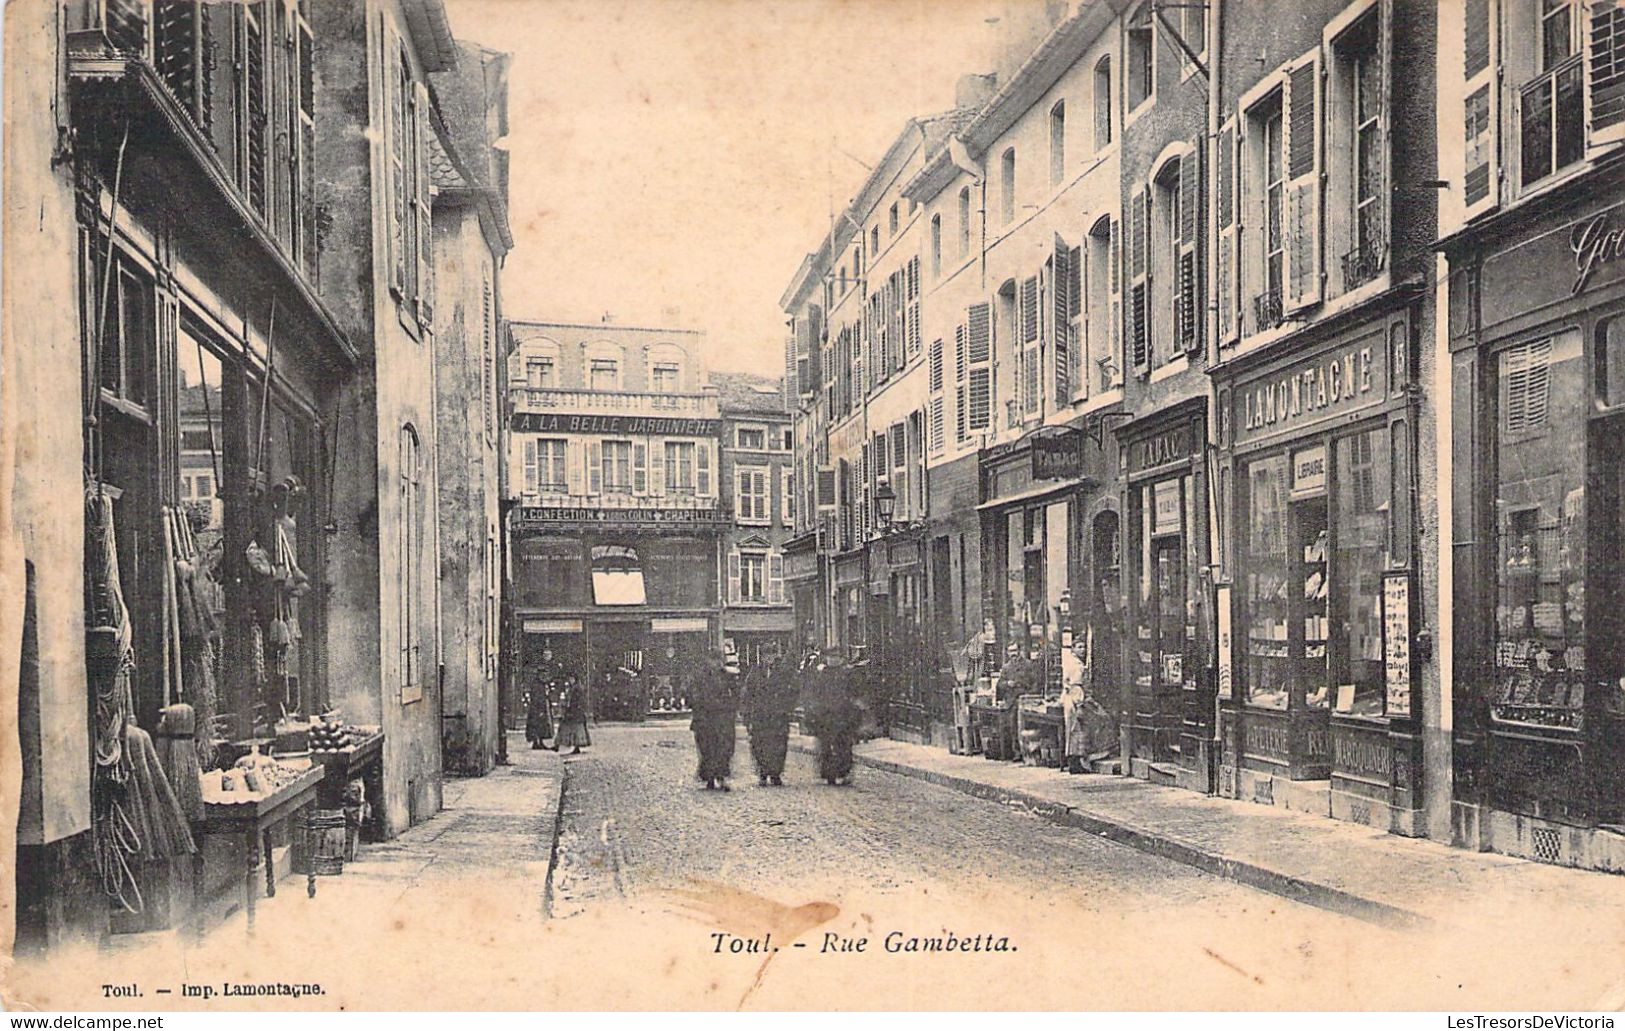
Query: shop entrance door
1168, 631
1311, 554
1601, 686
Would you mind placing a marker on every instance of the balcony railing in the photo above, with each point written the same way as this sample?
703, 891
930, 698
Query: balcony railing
1267, 312
619, 402
1364, 263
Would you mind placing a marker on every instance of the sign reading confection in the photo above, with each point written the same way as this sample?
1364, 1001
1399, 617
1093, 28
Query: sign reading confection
1396, 642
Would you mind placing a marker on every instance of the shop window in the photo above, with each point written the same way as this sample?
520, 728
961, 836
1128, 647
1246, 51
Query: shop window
1361, 509
1268, 585
1610, 358
1540, 660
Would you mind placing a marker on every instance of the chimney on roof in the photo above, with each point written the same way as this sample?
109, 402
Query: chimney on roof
972, 91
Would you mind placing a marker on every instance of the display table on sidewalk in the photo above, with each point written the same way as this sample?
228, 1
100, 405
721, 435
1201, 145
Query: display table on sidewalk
363, 759
1049, 725
253, 820
996, 727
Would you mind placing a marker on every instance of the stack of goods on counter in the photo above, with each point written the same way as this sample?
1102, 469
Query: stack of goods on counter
254, 777
330, 735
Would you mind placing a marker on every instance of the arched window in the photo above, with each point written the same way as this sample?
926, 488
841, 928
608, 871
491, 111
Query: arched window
410, 541
1103, 102
605, 362
667, 365
1007, 186
1057, 143
964, 221
543, 363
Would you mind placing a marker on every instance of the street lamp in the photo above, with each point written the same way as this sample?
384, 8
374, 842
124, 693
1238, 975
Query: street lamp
885, 502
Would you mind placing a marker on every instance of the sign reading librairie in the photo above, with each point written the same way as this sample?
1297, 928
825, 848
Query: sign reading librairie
1396, 640
632, 425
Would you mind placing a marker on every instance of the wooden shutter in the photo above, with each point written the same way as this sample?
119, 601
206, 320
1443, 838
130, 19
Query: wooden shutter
733, 576
961, 387
396, 131
1227, 269
1526, 386
532, 479
775, 578
1605, 70
1301, 125
254, 104
1060, 320
1115, 259
657, 467
420, 197
640, 467
575, 461
702, 468
913, 330
1137, 331
595, 467
1481, 108
1191, 223
979, 377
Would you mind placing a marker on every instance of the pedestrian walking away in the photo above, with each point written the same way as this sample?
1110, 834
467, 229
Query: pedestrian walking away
770, 700
538, 714
574, 708
715, 703
833, 717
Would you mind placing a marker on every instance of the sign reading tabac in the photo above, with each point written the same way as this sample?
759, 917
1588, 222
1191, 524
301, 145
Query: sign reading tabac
632, 425
1346, 380
1169, 447
1058, 457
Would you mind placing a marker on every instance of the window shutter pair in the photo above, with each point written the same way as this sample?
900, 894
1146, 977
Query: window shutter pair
1188, 284
935, 418
1227, 262
1137, 330
1300, 132
979, 372
775, 578
1605, 69
1062, 275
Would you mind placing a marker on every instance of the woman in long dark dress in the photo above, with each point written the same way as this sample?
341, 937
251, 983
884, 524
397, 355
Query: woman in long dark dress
539, 715
770, 700
834, 718
572, 732
716, 707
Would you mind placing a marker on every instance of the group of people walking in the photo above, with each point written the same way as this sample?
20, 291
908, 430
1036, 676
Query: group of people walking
554, 689
767, 697
559, 707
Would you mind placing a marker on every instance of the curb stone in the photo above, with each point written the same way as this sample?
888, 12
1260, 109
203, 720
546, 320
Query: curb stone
1277, 882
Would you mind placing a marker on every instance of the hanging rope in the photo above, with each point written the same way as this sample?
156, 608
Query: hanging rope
93, 411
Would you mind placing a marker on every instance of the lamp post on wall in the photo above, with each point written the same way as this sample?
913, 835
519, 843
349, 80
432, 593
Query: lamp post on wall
885, 504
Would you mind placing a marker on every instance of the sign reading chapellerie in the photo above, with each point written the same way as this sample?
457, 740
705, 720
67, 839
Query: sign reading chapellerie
1347, 380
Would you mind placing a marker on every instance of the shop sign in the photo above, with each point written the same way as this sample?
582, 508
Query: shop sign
1354, 752
1058, 457
1309, 471
1169, 447
532, 515
1396, 642
902, 555
800, 565
631, 425
1226, 676
679, 625
1594, 242
1165, 508
1344, 381
552, 626
849, 573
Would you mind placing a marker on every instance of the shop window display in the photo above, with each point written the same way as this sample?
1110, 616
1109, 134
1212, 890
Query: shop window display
1268, 585
1540, 662
1361, 507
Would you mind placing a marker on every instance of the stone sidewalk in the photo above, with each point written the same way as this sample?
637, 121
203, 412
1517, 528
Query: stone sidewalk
1338, 866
